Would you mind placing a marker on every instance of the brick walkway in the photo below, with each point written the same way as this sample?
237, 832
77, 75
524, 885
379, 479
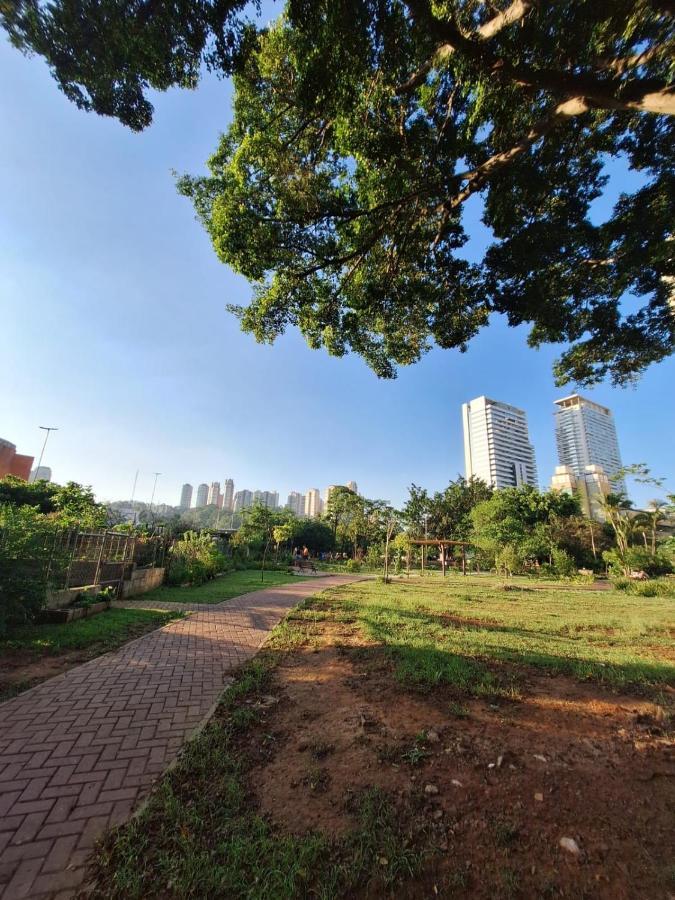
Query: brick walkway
79, 751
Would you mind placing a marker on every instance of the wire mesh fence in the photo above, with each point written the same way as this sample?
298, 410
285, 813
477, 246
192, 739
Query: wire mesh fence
69, 558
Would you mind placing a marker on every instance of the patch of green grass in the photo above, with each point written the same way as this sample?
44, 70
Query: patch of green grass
470, 633
201, 836
104, 632
225, 587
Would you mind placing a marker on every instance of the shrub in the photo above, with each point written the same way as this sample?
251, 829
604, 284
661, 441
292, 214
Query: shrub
26, 541
638, 559
194, 559
509, 560
563, 563
374, 557
658, 588
353, 565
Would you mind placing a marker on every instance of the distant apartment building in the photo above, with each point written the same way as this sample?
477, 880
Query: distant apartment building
13, 463
214, 497
43, 473
590, 487
202, 496
497, 446
242, 500
296, 503
228, 494
586, 436
313, 504
270, 499
186, 496
353, 486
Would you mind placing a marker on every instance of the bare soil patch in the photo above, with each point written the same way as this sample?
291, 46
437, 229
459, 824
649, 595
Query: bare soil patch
21, 670
494, 787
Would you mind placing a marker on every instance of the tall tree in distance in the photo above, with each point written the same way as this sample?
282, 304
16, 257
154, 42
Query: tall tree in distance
361, 129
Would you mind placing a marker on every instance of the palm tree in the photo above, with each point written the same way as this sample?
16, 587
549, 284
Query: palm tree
617, 508
655, 513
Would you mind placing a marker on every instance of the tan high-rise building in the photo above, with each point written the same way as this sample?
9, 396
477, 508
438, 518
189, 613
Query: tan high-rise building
214, 497
590, 487
202, 496
313, 504
353, 486
228, 494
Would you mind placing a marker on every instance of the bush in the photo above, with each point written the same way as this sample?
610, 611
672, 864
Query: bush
659, 588
353, 565
639, 559
563, 564
509, 560
374, 558
194, 559
26, 542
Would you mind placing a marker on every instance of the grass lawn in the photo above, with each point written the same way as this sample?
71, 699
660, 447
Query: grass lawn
419, 739
223, 588
35, 652
462, 630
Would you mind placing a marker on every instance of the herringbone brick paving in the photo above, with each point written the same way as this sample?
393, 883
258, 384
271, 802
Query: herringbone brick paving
78, 752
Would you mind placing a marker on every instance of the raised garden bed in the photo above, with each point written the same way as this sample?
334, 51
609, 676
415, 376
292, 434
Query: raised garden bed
74, 612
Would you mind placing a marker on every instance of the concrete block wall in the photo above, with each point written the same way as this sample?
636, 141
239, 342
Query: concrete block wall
142, 580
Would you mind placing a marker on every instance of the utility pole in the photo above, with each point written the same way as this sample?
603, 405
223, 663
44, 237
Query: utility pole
42, 452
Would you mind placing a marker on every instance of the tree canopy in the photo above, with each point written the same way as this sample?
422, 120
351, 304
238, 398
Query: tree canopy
361, 129
69, 505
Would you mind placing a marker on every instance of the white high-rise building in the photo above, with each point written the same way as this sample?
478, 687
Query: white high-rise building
296, 503
352, 486
242, 500
186, 496
270, 499
228, 494
497, 446
202, 496
586, 436
313, 504
44, 473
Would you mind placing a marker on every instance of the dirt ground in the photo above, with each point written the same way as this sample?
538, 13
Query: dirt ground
494, 787
21, 670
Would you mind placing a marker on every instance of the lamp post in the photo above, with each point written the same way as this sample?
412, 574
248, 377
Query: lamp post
48, 429
133, 494
152, 498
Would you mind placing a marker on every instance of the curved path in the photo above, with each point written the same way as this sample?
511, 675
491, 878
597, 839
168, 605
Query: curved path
78, 752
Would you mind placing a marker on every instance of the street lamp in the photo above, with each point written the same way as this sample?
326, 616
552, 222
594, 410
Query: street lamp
152, 498
46, 428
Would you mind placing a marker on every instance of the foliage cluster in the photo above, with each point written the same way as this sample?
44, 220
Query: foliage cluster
30, 516
194, 559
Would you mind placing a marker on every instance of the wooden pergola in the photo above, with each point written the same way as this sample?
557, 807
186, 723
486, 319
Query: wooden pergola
442, 544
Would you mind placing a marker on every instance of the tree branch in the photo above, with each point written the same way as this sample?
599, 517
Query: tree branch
513, 13
476, 178
639, 94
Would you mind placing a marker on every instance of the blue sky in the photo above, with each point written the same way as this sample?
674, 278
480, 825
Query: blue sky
114, 329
